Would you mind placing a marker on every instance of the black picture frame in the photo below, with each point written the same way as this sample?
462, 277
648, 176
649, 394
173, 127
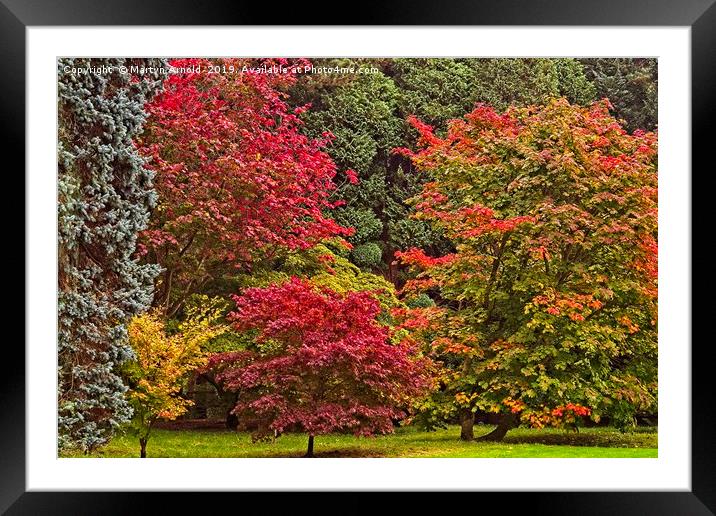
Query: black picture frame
699, 15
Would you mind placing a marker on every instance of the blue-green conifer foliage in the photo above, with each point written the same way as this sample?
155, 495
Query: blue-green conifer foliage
105, 196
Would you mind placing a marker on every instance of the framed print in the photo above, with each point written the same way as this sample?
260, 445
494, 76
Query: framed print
452, 254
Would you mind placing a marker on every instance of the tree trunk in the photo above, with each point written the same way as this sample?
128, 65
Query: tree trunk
508, 422
142, 447
309, 453
467, 421
232, 420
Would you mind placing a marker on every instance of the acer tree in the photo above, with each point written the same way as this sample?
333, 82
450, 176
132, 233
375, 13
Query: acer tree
546, 311
323, 268
162, 361
321, 362
236, 179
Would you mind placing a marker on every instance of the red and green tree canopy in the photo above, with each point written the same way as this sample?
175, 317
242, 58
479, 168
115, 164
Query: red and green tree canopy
322, 362
547, 308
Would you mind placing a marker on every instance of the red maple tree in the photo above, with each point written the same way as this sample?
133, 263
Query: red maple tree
322, 363
236, 179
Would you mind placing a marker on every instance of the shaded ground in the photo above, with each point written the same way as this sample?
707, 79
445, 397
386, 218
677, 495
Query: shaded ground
192, 424
213, 441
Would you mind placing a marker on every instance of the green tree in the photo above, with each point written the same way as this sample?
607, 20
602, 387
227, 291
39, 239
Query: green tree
437, 90
361, 113
631, 85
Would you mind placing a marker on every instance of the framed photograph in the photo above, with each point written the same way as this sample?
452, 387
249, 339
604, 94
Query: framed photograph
444, 248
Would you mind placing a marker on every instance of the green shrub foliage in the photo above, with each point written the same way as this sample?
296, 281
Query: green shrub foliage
367, 255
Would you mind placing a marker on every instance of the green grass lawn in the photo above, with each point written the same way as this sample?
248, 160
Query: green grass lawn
406, 442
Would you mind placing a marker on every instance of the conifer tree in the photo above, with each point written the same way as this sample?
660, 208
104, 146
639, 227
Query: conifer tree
105, 195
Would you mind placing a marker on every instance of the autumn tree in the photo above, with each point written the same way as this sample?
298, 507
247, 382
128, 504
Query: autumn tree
237, 181
324, 267
546, 311
104, 199
163, 360
321, 363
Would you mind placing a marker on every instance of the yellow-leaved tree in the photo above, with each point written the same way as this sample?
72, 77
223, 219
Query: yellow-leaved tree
164, 359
